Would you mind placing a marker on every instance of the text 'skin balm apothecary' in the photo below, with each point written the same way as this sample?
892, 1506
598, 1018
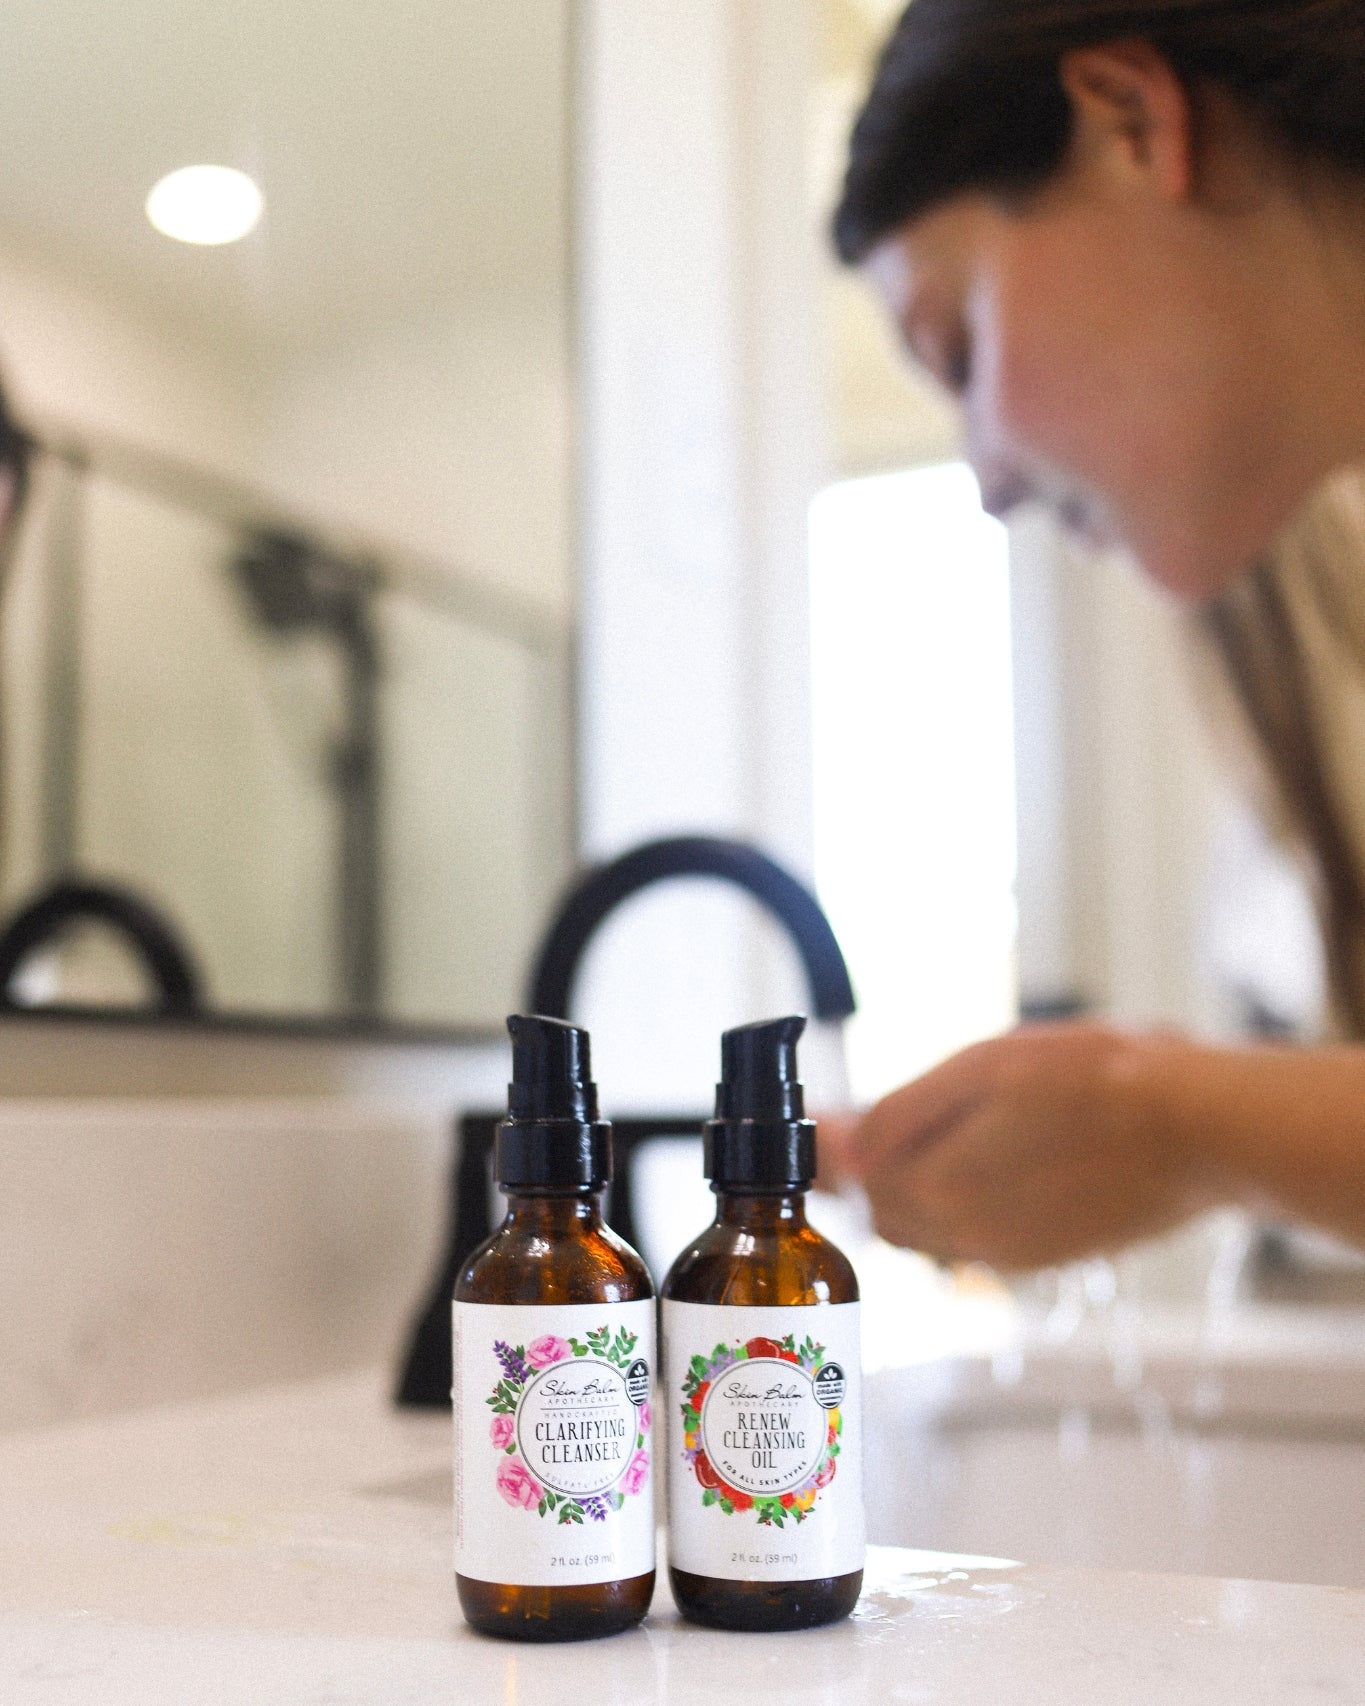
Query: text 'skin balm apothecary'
553, 1357
761, 1372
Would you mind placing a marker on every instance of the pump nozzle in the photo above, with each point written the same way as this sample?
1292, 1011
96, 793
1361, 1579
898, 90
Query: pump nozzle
758, 1072
551, 1071
552, 1136
760, 1137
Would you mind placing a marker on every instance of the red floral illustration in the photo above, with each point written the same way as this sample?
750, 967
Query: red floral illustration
705, 1473
773, 1510
763, 1348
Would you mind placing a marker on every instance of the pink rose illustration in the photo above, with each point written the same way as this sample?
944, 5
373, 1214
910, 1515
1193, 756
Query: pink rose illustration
637, 1473
645, 1417
541, 1352
517, 1485
500, 1431
826, 1474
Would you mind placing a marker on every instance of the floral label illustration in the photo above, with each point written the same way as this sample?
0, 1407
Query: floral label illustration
764, 1482
573, 1439
755, 1434
553, 1442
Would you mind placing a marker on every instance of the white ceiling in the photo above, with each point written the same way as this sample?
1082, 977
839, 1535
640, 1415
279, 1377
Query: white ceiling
413, 155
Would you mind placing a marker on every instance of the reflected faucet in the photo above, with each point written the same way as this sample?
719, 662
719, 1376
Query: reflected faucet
42, 920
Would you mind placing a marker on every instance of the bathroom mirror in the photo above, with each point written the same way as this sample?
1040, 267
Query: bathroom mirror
284, 641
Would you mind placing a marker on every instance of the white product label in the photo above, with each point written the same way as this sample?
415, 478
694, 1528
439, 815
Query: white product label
764, 1441
554, 1442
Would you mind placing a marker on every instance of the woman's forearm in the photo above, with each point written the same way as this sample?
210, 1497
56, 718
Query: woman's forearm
1055, 1142
1281, 1130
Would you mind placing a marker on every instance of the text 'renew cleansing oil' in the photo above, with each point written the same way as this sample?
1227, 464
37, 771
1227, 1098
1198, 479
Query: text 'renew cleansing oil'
553, 1352
761, 1371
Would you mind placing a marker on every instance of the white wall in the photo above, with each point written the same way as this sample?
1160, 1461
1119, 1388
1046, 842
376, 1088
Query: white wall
447, 438
1120, 796
73, 355
702, 445
187, 1213
169, 1252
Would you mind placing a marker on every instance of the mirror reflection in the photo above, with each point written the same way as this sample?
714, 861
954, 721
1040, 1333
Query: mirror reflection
284, 654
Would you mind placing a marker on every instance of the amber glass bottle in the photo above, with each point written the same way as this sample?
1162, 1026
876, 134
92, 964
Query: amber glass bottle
553, 1358
761, 1372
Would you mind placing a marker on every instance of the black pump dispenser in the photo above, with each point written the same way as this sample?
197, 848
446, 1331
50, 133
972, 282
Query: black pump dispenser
552, 1138
760, 1139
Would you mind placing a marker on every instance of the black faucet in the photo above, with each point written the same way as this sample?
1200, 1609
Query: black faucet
425, 1378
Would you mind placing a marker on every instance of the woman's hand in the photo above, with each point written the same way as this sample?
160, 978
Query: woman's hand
1038, 1147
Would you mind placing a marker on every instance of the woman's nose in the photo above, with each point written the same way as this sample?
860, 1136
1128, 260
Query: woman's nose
1002, 489
1004, 485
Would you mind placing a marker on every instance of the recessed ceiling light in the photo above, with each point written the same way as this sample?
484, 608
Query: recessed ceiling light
205, 204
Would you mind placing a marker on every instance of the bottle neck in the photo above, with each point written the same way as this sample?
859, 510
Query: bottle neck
555, 1213
768, 1211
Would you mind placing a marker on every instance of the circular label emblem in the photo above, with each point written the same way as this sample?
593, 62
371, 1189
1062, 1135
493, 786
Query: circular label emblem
637, 1381
830, 1385
762, 1426
576, 1426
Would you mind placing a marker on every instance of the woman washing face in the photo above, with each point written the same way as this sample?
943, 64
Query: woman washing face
1131, 240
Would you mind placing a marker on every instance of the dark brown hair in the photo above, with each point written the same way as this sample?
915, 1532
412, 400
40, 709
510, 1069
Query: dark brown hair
968, 96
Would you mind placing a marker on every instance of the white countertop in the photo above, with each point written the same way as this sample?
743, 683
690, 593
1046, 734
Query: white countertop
294, 1546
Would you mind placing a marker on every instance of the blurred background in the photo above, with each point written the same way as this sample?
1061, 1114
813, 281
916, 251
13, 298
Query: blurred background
522, 482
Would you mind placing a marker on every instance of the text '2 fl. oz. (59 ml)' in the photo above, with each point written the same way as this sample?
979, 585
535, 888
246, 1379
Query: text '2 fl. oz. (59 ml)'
553, 1357
762, 1369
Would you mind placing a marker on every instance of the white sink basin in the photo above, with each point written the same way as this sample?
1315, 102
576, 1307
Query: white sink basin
1238, 1454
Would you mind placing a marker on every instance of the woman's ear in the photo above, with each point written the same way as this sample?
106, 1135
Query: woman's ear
1132, 109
